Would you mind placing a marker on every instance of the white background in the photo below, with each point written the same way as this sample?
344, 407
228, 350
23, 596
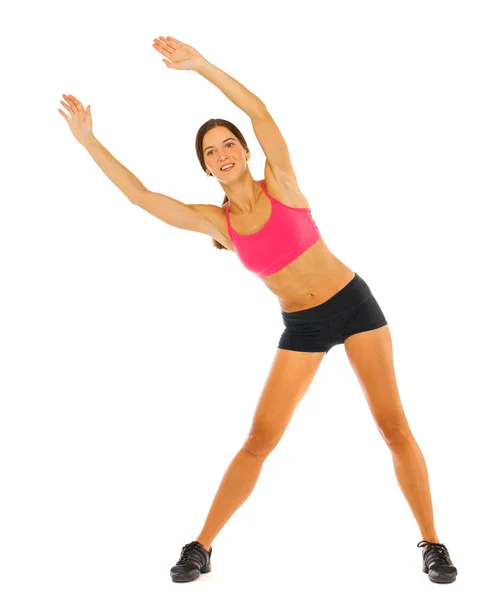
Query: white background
133, 353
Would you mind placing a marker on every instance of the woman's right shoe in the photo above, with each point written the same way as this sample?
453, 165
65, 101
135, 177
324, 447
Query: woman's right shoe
194, 560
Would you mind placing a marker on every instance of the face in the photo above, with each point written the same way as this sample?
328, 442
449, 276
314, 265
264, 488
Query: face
221, 147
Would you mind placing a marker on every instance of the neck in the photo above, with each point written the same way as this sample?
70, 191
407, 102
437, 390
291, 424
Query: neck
243, 194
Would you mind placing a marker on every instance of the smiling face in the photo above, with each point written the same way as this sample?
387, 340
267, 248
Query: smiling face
220, 148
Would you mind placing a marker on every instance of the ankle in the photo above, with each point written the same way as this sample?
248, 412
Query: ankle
205, 546
426, 546
431, 538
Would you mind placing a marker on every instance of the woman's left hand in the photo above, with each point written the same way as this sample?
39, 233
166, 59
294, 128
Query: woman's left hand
182, 56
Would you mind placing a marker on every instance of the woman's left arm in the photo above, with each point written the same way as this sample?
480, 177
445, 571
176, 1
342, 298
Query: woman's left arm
184, 57
266, 131
233, 90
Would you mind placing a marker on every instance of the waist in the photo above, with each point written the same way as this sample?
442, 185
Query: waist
352, 294
311, 279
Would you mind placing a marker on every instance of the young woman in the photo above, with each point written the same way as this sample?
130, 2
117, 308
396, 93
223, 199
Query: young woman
268, 223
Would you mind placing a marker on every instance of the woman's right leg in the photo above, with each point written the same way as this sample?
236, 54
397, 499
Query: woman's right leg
289, 378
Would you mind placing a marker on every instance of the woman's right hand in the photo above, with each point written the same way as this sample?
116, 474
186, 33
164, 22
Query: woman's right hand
81, 122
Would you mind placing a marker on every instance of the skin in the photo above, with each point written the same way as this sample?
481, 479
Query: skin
238, 184
370, 353
301, 284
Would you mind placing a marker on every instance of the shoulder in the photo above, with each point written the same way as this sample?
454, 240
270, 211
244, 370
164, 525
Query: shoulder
284, 187
216, 215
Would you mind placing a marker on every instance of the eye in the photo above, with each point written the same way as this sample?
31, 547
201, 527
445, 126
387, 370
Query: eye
228, 144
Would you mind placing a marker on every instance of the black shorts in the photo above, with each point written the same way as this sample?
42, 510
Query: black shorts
351, 310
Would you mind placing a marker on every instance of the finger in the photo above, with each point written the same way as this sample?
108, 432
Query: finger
67, 99
175, 40
171, 43
72, 107
163, 52
64, 115
74, 99
163, 48
71, 111
76, 104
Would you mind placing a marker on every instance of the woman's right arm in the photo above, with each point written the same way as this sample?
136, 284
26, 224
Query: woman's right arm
193, 217
126, 181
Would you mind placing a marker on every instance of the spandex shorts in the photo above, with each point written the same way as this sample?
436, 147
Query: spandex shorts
351, 310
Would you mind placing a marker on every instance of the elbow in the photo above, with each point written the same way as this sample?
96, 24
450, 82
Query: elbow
137, 197
259, 111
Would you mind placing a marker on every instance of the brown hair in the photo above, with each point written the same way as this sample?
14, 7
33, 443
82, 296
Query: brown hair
211, 124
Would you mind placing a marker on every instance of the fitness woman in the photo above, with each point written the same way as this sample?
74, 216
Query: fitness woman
269, 225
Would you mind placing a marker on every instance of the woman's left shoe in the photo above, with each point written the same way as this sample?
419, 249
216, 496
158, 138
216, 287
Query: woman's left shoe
437, 562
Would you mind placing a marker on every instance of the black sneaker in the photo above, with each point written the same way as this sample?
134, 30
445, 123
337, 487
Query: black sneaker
194, 559
437, 563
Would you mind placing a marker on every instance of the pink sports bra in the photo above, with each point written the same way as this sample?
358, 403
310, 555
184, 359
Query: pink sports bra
288, 233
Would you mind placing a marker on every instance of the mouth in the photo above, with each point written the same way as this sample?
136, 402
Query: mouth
227, 167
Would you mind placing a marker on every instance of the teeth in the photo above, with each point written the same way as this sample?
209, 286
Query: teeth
226, 166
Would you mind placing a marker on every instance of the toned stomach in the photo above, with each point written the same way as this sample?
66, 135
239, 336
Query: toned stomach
312, 278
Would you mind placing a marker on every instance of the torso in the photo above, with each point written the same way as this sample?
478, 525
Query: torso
313, 277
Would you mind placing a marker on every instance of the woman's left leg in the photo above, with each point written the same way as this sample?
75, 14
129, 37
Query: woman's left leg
371, 356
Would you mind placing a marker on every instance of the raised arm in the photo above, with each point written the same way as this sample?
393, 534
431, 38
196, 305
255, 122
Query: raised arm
184, 57
193, 217
121, 177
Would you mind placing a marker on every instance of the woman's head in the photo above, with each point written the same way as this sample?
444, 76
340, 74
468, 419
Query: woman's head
219, 143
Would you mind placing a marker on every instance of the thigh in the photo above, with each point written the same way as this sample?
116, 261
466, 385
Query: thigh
289, 378
370, 354
365, 317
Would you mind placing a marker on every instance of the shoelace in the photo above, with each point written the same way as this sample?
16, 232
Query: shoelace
436, 552
187, 553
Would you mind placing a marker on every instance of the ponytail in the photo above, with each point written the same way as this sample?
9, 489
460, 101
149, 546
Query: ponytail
216, 243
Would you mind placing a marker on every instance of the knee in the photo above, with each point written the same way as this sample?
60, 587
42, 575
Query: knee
395, 434
259, 443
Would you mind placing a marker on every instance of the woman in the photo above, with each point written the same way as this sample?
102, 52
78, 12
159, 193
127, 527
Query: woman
269, 225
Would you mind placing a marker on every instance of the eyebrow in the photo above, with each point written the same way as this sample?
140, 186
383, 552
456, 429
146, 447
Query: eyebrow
230, 138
